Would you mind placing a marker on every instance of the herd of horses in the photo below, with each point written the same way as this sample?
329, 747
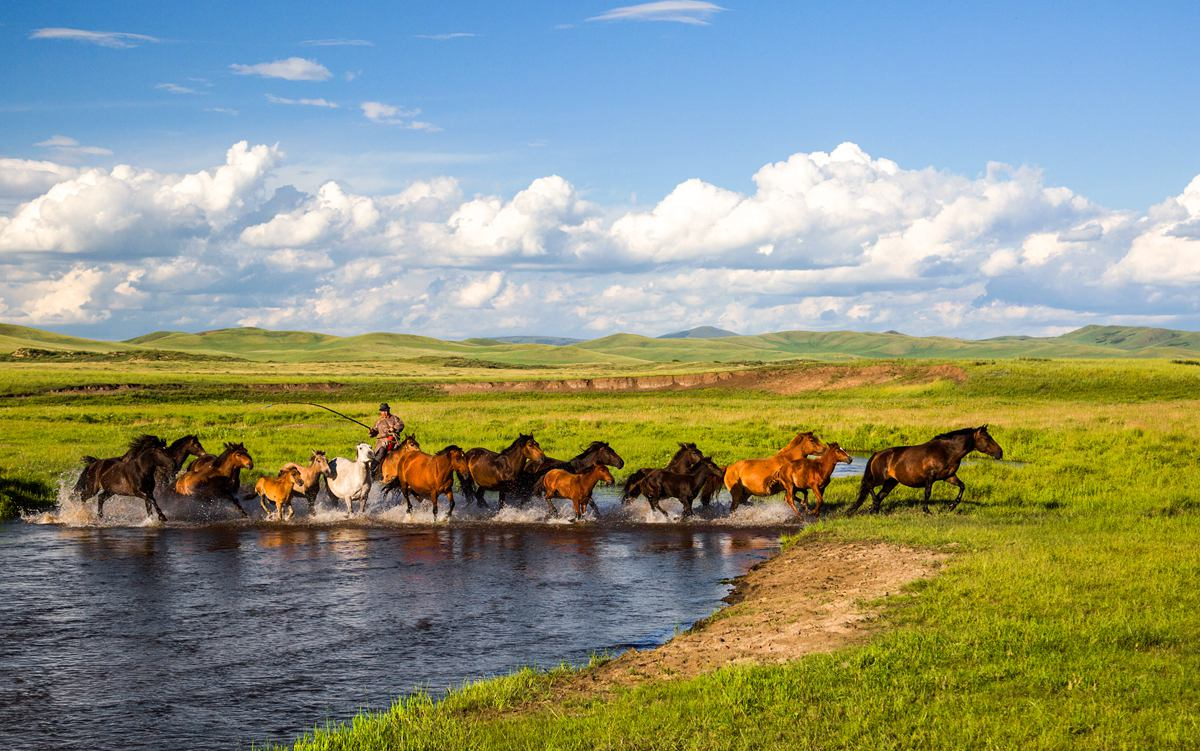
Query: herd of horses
522, 471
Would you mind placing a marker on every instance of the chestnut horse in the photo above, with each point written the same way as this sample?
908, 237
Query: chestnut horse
309, 483
132, 474
922, 465
489, 470
597, 452
811, 474
682, 486
757, 476
278, 490
576, 487
684, 459
389, 468
218, 477
430, 475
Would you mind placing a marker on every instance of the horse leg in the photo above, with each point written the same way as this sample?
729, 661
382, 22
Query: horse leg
100, 499
151, 504
888, 486
549, 496
450, 497
654, 505
864, 490
236, 505
263, 502
928, 492
962, 488
435, 508
738, 494
820, 499
595, 508
407, 500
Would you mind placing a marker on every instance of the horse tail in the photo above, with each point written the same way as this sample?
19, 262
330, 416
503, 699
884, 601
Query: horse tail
539, 487
866, 485
84, 482
465, 482
633, 486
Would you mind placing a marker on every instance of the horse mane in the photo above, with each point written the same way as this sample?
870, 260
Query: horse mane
596, 445
185, 439
797, 439
146, 442
961, 432
521, 440
232, 448
447, 450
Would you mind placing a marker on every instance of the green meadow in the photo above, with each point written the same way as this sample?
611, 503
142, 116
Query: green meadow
1066, 616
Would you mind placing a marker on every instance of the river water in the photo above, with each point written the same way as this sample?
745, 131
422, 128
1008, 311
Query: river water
202, 634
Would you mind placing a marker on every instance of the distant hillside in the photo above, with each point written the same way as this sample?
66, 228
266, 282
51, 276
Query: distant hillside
700, 332
700, 345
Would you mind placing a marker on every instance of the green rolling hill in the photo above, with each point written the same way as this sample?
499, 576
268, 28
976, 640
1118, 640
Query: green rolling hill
17, 342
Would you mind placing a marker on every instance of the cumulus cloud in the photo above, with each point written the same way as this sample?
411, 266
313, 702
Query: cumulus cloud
174, 88
822, 240
691, 12
289, 69
112, 39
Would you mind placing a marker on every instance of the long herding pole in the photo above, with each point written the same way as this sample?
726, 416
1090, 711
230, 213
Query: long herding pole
327, 409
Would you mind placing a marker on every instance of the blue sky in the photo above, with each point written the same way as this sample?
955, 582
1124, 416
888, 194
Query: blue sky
624, 107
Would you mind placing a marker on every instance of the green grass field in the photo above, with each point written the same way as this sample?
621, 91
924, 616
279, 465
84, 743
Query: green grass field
1067, 617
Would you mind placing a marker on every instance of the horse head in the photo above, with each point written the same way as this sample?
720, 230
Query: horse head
686, 457
458, 459
363, 452
320, 462
191, 445
241, 457
804, 444
606, 455
605, 475
984, 443
530, 448
410, 443
840, 455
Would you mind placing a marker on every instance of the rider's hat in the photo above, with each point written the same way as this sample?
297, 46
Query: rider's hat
384, 407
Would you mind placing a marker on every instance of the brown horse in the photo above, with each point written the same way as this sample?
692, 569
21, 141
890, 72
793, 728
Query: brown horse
687, 457
88, 483
278, 490
757, 476
389, 468
922, 465
576, 487
220, 477
132, 474
597, 452
308, 485
489, 470
811, 474
430, 475
683, 486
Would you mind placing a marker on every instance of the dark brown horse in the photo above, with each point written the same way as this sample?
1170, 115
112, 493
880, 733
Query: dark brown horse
220, 477
597, 452
576, 487
88, 483
489, 470
132, 474
685, 458
430, 476
923, 465
682, 486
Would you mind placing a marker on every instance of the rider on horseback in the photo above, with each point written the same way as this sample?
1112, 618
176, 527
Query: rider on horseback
386, 433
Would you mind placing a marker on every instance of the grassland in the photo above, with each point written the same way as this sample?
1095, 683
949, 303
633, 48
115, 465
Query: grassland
1067, 617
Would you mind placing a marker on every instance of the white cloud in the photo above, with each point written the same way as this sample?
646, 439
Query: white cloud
387, 114
222, 110
24, 178
174, 88
65, 146
691, 12
823, 240
447, 37
290, 69
113, 39
306, 102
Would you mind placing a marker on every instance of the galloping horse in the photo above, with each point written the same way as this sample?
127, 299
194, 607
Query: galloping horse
489, 470
220, 476
389, 468
278, 490
88, 483
922, 465
685, 458
350, 481
132, 474
683, 486
757, 476
308, 485
430, 475
810, 474
575, 487
597, 452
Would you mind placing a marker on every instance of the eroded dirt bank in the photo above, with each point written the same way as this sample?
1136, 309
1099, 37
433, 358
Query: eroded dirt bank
781, 380
811, 598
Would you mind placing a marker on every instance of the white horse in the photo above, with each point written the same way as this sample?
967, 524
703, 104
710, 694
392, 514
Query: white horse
351, 481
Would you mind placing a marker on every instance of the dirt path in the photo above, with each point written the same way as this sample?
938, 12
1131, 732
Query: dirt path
811, 598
